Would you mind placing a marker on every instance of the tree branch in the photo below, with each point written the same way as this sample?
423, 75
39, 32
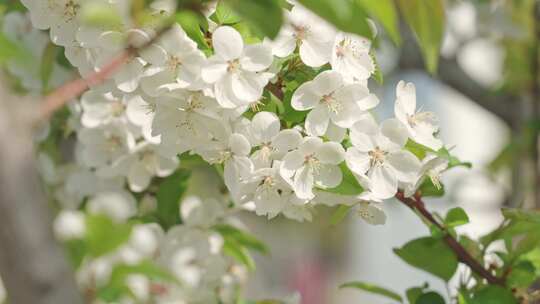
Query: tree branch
65, 93
464, 257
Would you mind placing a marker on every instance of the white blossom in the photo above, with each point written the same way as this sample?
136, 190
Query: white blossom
235, 70
330, 99
314, 163
313, 36
378, 153
420, 125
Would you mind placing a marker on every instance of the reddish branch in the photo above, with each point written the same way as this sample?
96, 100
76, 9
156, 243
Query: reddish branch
463, 256
65, 93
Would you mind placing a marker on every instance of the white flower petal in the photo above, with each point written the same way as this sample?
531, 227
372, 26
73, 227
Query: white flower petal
394, 130
328, 176
256, 58
317, 121
357, 161
330, 153
303, 183
138, 177
406, 165
239, 144
384, 183
264, 127
227, 42
305, 97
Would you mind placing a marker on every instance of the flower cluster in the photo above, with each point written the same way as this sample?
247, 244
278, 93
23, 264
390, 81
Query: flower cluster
173, 100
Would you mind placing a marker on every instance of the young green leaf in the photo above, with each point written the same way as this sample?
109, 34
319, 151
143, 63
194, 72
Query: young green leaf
426, 18
521, 215
169, 194
191, 23
47, 64
493, 294
241, 237
346, 15
430, 298
340, 214
265, 15
414, 293
103, 235
239, 253
385, 12
431, 255
428, 189
373, 289
349, 185
456, 217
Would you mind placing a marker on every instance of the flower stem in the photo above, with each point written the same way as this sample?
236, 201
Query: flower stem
463, 256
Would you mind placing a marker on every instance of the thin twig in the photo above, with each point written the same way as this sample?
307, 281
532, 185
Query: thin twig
463, 256
70, 90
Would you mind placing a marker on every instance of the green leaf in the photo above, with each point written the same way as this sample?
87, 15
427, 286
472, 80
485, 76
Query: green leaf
340, 214
147, 268
414, 293
241, 237
346, 15
239, 253
428, 189
116, 288
430, 298
191, 23
385, 12
373, 289
103, 235
521, 215
452, 160
12, 50
426, 18
456, 217
76, 250
169, 194
493, 294
417, 149
522, 275
224, 14
47, 64
349, 185
264, 15
431, 255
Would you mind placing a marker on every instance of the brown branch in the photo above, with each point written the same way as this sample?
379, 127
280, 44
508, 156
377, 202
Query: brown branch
68, 91
463, 256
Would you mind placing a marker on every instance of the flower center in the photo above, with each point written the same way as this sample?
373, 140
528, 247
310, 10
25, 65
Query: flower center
70, 9
377, 156
233, 65
113, 142
194, 103
312, 162
266, 151
332, 103
300, 32
267, 183
173, 62
117, 108
363, 211
421, 117
224, 156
